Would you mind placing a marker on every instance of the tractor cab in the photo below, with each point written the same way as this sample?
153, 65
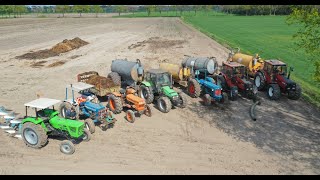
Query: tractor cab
42, 108
275, 67
159, 78
233, 69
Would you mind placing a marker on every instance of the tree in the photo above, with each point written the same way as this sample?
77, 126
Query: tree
62, 9
120, 9
132, 9
150, 8
96, 9
208, 8
81, 9
308, 36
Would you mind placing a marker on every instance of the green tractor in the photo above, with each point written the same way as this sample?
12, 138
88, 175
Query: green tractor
36, 129
159, 83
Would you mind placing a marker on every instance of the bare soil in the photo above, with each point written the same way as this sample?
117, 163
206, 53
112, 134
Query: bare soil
285, 139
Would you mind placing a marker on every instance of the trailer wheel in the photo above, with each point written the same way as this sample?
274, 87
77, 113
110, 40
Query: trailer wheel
115, 104
87, 135
115, 78
147, 111
146, 93
259, 81
207, 99
274, 91
67, 147
34, 135
89, 125
164, 104
295, 95
194, 88
130, 116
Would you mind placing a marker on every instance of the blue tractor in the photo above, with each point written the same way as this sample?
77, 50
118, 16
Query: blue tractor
86, 107
209, 90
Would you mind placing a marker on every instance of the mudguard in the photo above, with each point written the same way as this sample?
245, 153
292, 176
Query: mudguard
35, 121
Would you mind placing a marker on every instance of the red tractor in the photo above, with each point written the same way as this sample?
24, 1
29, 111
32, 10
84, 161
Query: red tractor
274, 77
233, 78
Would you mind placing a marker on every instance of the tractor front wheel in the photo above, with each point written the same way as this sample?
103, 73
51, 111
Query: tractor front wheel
295, 95
89, 125
67, 147
115, 104
66, 110
147, 111
130, 116
274, 91
194, 88
259, 81
183, 100
146, 93
164, 104
34, 135
207, 99
86, 135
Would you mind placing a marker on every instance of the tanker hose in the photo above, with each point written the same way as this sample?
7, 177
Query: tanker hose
252, 110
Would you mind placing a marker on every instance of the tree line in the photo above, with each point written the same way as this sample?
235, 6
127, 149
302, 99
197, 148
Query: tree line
249, 10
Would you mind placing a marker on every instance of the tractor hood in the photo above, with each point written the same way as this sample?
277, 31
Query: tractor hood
208, 84
93, 106
168, 91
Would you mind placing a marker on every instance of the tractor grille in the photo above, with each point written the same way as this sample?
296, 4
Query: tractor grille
217, 92
73, 129
102, 113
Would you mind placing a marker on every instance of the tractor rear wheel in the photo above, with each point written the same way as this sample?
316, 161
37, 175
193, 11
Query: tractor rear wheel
146, 93
194, 88
295, 95
115, 104
115, 78
183, 99
234, 93
87, 135
67, 147
130, 116
89, 125
64, 107
147, 110
164, 104
259, 81
34, 135
207, 99
274, 91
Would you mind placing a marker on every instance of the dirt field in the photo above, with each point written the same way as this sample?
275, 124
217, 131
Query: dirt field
285, 138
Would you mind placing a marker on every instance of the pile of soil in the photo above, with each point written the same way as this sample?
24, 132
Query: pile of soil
38, 64
58, 63
157, 43
105, 82
65, 46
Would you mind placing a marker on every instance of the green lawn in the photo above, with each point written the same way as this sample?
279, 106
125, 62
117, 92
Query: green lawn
269, 36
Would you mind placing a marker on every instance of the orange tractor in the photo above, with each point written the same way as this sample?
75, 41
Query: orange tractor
127, 98
117, 98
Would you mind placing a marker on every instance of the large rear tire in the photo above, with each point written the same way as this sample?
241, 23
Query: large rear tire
194, 88
273, 91
89, 125
295, 95
67, 147
64, 107
146, 93
164, 104
115, 78
115, 104
34, 135
259, 81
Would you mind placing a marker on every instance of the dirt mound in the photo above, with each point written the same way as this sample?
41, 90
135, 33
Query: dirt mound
157, 42
62, 47
58, 63
100, 82
38, 64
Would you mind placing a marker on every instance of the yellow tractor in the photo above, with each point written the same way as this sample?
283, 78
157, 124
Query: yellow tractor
253, 63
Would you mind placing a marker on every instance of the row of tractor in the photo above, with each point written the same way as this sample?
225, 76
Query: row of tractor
131, 88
